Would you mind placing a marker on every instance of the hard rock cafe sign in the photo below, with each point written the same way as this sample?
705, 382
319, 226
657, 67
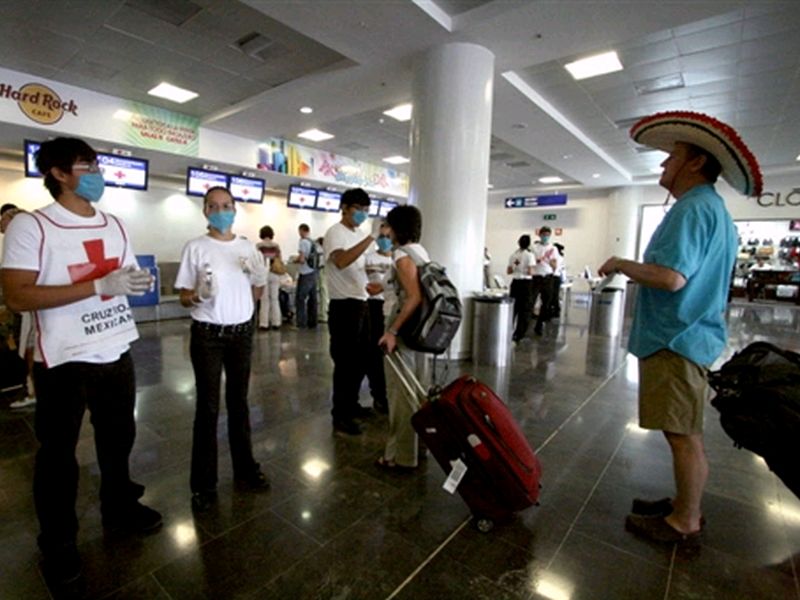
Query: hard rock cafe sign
38, 102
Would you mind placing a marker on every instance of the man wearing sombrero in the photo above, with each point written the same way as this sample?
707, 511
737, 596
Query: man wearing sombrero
679, 325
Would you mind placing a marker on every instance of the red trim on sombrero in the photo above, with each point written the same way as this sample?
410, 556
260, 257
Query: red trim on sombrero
724, 131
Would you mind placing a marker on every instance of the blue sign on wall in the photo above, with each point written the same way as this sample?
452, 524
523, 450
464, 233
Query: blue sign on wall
533, 201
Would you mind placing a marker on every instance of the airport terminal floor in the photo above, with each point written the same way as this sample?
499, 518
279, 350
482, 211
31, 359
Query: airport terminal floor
334, 526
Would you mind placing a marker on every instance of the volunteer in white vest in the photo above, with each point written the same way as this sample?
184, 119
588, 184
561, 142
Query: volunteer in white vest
546, 263
73, 265
404, 229
348, 320
220, 277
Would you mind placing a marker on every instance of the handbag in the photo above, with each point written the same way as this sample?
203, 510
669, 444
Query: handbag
277, 267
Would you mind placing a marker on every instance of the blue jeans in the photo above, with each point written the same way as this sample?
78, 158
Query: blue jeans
306, 300
211, 351
62, 395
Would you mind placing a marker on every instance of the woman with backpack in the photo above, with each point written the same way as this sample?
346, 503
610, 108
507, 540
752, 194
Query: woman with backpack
404, 228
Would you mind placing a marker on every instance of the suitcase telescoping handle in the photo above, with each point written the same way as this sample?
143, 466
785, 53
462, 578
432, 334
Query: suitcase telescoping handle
416, 393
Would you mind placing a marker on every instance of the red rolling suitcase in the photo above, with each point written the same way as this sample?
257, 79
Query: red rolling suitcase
465, 424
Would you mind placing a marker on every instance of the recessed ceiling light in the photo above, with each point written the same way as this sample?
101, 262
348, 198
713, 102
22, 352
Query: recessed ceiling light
595, 175
551, 179
315, 135
306, 110
172, 92
592, 66
401, 112
381, 120
567, 156
396, 160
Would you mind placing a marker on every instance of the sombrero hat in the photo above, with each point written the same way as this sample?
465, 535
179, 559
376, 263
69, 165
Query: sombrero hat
739, 165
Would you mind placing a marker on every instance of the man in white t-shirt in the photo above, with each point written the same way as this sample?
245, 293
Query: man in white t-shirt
73, 266
348, 317
542, 285
220, 277
520, 267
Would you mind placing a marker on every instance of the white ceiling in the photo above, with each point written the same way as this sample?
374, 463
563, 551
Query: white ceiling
352, 59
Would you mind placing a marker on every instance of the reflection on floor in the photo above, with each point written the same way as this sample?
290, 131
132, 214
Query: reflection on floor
333, 526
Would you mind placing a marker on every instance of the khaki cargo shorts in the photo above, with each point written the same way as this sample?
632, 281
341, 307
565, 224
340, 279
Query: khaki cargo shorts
672, 393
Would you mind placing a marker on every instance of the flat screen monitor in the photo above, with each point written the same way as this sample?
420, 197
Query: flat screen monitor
385, 207
329, 201
301, 197
199, 181
247, 189
31, 148
374, 206
124, 171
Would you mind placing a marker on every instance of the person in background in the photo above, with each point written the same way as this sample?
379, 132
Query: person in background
679, 327
557, 278
27, 333
220, 277
379, 266
322, 282
306, 300
404, 226
542, 287
72, 263
348, 318
520, 267
269, 314
487, 269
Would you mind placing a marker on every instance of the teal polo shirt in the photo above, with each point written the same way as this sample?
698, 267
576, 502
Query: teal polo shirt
697, 238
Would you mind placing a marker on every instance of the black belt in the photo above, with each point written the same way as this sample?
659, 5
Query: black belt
245, 327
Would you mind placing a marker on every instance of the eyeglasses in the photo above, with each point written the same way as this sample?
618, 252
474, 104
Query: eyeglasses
91, 167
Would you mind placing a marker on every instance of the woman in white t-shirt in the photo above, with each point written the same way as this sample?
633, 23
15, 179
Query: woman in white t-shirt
404, 227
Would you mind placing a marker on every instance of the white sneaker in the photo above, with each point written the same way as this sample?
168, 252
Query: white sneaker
25, 402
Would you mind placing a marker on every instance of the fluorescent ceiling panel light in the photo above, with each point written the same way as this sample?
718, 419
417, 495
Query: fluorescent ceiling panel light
595, 175
401, 112
551, 179
172, 92
592, 66
315, 135
306, 110
122, 115
396, 160
551, 111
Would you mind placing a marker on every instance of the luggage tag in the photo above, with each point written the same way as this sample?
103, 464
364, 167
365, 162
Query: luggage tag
455, 476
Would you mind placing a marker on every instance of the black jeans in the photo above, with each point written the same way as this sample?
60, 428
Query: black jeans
521, 293
211, 351
348, 324
306, 300
375, 373
63, 393
542, 286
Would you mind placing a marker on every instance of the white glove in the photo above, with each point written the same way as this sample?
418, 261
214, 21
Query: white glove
376, 226
254, 266
128, 281
207, 286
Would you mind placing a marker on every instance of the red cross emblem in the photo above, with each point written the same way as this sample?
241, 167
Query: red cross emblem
120, 174
97, 266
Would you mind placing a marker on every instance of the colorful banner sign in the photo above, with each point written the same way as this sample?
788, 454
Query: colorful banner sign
160, 129
300, 161
534, 201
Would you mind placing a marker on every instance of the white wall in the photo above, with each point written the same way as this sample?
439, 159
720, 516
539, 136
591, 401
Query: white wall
163, 218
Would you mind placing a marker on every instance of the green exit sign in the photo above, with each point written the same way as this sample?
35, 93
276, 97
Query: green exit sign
549, 217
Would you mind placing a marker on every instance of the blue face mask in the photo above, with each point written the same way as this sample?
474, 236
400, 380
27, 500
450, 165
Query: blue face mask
384, 243
90, 187
359, 217
221, 221
545, 239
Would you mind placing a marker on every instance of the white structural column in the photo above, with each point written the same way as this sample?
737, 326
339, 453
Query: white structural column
450, 138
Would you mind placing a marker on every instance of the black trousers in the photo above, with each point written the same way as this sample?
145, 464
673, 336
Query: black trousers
375, 373
348, 324
62, 395
210, 353
555, 293
542, 288
521, 293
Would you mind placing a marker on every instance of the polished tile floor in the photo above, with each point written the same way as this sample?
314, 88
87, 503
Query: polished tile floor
333, 526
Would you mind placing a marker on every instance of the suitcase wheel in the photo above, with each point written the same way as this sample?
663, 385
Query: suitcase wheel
484, 525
